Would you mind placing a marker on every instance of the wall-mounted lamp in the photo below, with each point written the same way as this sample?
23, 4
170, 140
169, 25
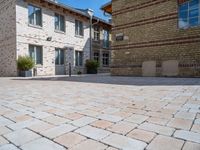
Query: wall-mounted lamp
49, 38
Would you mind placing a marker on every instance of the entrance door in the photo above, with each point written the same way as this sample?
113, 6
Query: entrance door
60, 62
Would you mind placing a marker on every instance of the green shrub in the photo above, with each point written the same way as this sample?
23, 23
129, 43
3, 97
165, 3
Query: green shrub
79, 73
92, 66
25, 63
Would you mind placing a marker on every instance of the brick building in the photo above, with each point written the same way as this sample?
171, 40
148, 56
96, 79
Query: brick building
155, 37
53, 34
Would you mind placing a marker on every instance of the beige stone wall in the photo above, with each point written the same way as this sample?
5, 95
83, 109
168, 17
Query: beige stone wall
7, 38
151, 33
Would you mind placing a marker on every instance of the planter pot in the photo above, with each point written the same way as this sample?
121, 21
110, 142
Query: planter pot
25, 73
91, 71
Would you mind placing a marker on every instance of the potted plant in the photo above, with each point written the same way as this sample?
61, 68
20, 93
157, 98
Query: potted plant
92, 66
79, 72
24, 65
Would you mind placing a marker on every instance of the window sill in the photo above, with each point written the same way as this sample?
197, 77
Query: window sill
189, 27
58, 31
105, 66
35, 26
59, 65
38, 66
79, 36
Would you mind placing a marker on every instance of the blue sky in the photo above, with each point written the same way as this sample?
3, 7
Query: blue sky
84, 4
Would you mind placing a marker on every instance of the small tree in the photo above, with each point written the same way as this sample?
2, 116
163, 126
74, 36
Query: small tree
25, 63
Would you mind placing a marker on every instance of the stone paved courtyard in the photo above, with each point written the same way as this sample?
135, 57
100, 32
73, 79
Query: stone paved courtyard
100, 113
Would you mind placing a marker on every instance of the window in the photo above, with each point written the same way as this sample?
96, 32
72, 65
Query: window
59, 22
35, 53
79, 58
59, 56
34, 15
105, 59
96, 33
189, 14
105, 38
96, 56
78, 28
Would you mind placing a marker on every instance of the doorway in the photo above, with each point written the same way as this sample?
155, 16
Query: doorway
60, 62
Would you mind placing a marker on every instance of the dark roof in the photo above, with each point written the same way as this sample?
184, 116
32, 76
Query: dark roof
78, 11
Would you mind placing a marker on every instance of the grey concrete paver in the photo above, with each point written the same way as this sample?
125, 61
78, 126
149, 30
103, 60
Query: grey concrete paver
21, 137
42, 144
58, 130
187, 135
93, 133
165, 143
8, 147
124, 143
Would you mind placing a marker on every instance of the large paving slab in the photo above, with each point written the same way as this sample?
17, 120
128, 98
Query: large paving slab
93, 133
99, 112
43, 144
21, 137
124, 143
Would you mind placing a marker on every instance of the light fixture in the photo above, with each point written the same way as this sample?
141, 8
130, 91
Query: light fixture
49, 38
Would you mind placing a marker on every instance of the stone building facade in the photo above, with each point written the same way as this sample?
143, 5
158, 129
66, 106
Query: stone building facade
57, 39
155, 37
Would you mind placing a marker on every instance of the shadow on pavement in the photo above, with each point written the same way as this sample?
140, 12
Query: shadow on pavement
119, 80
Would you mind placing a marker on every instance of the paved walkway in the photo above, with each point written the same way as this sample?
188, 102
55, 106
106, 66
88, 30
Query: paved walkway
100, 113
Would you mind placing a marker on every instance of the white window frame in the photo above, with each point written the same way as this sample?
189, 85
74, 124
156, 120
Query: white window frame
78, 28
35, 53
96, 33
59, 22
78, 65
59, 56
103, 57
34, 16
95, 57
107, 40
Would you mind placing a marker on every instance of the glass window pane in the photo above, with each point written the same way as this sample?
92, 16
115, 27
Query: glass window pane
81, 28
76, 27
183, 23
31, 14
31, 52
62, 23
62, 57
38, 55
194, 21
183, 7
57, 57
80, 58
194, 13
194, 4
56, 22
38, 16
183, 14
76, 57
